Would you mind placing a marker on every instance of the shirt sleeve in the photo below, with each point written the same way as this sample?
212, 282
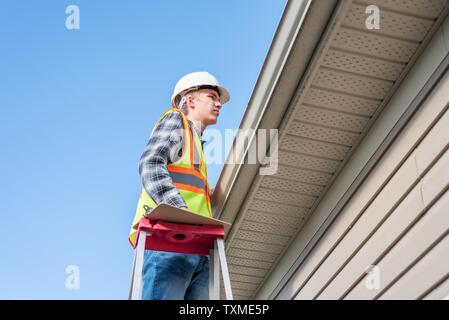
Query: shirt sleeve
162, 148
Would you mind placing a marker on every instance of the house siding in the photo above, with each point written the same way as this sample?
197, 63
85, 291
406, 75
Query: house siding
396, 221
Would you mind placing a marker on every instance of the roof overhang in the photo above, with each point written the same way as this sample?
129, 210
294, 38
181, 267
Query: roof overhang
322, 107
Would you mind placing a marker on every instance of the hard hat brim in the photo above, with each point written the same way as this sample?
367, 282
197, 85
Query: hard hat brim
224, 95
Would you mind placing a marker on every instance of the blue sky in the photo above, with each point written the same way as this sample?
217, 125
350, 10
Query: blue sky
76, 110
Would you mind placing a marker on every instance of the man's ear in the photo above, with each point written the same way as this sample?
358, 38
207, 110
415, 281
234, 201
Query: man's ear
190, 102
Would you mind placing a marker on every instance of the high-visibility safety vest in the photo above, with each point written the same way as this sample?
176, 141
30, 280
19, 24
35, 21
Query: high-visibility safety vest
189, 175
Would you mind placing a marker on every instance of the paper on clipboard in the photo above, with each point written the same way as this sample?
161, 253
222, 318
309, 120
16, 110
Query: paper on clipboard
173, 214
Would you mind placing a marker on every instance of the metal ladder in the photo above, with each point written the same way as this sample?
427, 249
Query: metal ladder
208, 240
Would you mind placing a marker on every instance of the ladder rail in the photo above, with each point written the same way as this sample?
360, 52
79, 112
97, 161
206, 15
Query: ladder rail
214, 274
132, 276
224, 267
136, 292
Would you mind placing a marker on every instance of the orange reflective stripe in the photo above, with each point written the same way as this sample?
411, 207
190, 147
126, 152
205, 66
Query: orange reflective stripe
172, 168
201, 158
198, 153
192, 145
189, 136
187, 143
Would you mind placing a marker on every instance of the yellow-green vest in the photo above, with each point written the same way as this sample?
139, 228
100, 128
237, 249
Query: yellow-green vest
189, 175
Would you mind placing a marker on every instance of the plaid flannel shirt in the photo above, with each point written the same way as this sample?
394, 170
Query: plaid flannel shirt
158, 153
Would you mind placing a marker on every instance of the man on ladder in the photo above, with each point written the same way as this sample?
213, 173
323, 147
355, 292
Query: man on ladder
173, 171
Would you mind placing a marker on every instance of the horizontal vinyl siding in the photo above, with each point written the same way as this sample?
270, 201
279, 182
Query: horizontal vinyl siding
423, 230
403, 195
439, 292
421, 269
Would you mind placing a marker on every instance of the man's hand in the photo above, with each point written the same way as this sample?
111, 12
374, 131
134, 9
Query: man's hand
211, 192
147, 211
146, 214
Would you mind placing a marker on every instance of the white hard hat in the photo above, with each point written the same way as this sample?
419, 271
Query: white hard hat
198, 80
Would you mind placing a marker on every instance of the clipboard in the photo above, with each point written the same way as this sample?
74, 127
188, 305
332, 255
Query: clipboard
201, 236
166, 212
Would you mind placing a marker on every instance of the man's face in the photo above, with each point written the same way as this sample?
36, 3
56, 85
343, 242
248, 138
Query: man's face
207, 106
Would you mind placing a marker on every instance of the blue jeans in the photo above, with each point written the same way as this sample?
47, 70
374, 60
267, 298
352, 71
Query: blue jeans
175, 276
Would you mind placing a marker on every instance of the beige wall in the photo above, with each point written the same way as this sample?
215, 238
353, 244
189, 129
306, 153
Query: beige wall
398, 221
